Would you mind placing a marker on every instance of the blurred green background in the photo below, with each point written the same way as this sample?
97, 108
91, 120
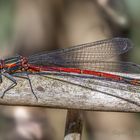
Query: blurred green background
134, 10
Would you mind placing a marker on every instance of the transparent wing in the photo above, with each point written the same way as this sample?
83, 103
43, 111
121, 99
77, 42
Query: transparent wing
86, 53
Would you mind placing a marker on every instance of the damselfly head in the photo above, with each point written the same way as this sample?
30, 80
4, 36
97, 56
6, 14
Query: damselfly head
24, 60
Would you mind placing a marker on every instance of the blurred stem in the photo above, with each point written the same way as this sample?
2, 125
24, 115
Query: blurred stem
74, 125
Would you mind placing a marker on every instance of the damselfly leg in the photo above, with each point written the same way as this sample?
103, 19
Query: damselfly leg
26, 76
14, 82
0, 78
12, 85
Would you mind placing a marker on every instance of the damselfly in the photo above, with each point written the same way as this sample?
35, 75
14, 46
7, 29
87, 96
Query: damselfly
85, 59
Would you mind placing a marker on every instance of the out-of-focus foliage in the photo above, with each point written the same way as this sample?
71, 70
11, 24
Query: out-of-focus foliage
6, 20
134, 11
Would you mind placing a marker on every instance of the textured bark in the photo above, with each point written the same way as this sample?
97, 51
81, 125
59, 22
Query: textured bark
73, 93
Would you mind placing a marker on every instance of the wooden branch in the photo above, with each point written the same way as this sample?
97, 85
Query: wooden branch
73, 93
74, 124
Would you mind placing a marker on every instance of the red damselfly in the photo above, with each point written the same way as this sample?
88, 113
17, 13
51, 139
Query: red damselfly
85, 59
